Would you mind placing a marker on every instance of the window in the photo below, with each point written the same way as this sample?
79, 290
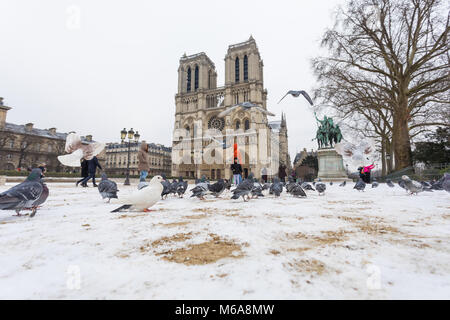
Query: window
196, 78
11, 143
188, 86
245, 68
236, 70
238, 124
209, 79
247, 124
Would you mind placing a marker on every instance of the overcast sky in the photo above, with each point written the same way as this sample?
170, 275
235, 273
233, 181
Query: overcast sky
116, 66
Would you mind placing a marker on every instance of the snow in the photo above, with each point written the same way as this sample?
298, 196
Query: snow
377, 244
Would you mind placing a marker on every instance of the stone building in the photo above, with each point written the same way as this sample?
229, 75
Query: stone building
24, 146
306, 165
199, 100
160, 158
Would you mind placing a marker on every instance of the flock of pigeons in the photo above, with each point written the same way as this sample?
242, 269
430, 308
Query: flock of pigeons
33, 192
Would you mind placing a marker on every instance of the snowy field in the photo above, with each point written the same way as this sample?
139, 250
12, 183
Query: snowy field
380, 244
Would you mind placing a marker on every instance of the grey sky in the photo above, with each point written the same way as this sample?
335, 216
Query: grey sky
119, 68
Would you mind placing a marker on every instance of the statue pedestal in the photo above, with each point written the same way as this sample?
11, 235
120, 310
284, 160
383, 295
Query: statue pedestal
331, 166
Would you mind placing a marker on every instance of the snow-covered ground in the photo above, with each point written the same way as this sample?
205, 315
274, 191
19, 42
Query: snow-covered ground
380, 244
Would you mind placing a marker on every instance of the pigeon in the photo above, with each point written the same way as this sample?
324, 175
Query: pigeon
374, 183
296, 94
437, 185
257, 191
217, 188
297, 191
143, 199
266, 186
244, 188
244, 106
200, 191
181, 187
331, 183
389, 183
77, 150
411, 185
307, 186
276, 188
166, 188
107, 188
343, 184
446, 182
360, 185
227, 184
26, 195
401, 183
321, 187
142, 183
173, 187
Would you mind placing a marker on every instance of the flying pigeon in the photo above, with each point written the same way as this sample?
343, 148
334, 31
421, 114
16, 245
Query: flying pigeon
321, 187
181, 187
107, 188
143, 199
217, 188
360, 185
276, 188
411, 185
77, 150
26, 195
245, 106
343, 184
296, 94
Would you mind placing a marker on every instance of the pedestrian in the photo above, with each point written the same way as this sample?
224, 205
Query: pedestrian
143, 165
92, 168
84, 173
282, 173
364, 173
264, 174
236, 168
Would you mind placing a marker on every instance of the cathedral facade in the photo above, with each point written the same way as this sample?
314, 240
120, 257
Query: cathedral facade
199, 102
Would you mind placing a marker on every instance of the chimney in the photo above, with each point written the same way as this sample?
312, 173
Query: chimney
28, 127
89, 138
3, 111
52, 131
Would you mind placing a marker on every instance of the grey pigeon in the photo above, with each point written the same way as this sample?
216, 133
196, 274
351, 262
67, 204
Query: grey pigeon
276, 188
244, 106
217, 188
321, 187
307, 186
257, 191
173, 187
107, 188
446, 182
343, 184
166, 188
244, 188
296, 94
297, 191
26, 195
374, 183
227, 184
411, 185
402, 184
360, 185
389, 183
331, 183
200, 191
181, 187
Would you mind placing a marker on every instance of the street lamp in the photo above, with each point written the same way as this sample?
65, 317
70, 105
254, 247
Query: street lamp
388, 158
132, 138
346, 165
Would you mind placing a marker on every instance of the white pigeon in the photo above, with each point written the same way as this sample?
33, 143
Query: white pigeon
411, 185
144, 198
77, 150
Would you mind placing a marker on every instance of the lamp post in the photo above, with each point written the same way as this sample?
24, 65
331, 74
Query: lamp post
132, 137
388, 159
346, 165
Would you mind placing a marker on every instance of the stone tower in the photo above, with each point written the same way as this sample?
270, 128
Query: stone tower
199, 100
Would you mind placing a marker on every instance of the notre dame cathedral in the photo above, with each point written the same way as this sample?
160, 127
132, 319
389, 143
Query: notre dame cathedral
199, 99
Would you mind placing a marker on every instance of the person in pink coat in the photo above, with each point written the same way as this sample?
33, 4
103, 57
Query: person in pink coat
364, 172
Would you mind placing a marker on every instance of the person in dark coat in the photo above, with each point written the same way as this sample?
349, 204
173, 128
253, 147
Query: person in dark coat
236, 168
282, 173
84, 172
92, 168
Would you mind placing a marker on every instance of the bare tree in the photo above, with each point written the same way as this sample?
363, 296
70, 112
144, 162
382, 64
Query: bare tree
390, 57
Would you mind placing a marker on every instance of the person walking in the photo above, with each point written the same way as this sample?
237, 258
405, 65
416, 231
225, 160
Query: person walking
236, 168
92, 168
84, 173
143, 165
366, 173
